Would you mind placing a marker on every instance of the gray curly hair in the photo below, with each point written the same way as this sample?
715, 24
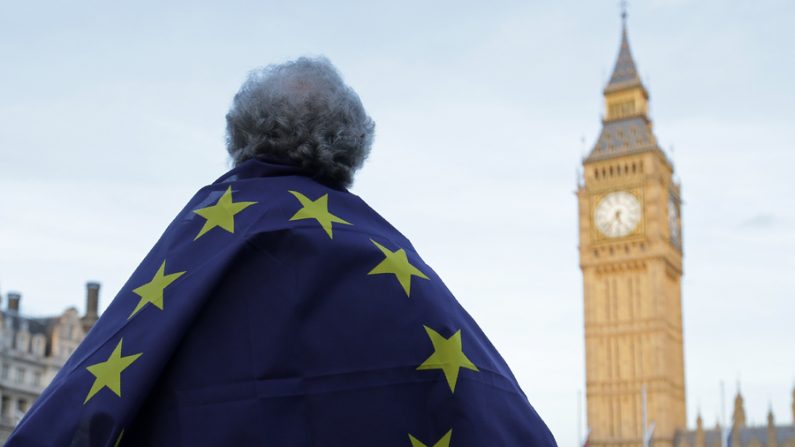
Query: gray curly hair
301, 112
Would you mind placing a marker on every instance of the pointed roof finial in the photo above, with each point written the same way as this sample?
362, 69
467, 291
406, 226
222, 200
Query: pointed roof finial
624, 13
624, 73
738, 416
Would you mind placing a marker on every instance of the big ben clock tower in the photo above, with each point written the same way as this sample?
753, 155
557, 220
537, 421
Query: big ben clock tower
631, 261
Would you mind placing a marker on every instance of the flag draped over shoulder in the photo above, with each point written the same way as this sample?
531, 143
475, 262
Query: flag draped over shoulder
275, 311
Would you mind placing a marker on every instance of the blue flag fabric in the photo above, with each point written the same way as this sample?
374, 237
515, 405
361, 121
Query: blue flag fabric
275, 311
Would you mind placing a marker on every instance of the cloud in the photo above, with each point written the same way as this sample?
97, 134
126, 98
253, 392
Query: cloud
760, 221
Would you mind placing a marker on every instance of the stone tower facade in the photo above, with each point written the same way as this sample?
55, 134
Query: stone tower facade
630, 244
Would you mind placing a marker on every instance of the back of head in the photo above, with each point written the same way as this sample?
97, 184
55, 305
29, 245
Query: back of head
301, 112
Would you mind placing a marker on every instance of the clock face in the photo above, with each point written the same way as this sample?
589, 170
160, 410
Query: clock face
617, 214
673, 220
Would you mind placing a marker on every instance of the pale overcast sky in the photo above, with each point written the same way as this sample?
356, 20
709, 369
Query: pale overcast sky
112, 115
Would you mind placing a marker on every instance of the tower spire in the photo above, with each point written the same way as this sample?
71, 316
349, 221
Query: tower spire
738, 417
625, 73
627, 126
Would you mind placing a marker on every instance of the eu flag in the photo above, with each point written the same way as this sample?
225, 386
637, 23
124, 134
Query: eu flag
275, 311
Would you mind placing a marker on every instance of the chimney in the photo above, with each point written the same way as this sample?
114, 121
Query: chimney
13, 301
92, 303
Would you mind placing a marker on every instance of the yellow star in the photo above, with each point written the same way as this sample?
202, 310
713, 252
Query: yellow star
444, 442
318, 210
222, 214
108, 373
397, 263
152, 292
447, 356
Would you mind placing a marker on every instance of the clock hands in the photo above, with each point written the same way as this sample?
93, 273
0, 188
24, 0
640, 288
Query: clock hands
617, 214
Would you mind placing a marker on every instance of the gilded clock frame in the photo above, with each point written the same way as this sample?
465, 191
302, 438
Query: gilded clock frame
673, 195
597, 237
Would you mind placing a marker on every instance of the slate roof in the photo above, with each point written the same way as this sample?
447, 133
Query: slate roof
624, 136
35, 325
